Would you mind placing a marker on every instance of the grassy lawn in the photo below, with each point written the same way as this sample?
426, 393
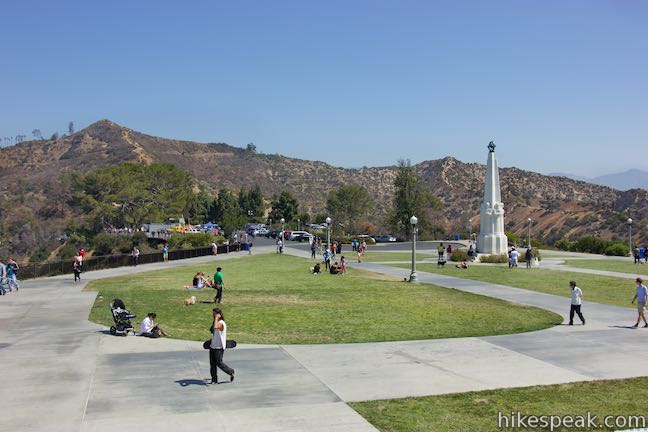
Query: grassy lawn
274, 299
374, 256
599, 289
478, 411
627, 266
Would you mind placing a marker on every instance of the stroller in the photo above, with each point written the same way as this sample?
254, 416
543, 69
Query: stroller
122, 318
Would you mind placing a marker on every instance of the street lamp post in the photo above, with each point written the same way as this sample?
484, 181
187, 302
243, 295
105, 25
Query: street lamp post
298, 224
282, 220
413, 275
529, 234
328, 232
630, 237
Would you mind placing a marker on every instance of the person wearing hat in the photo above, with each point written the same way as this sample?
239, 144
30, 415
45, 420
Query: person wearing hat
641, 296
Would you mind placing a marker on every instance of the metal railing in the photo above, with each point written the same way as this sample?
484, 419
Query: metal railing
100, 262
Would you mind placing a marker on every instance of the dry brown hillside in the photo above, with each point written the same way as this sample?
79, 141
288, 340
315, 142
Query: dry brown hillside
33, 206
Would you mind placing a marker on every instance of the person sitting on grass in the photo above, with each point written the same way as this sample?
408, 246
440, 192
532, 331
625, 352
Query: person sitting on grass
463, 265
335, 268
317, 269
148, 328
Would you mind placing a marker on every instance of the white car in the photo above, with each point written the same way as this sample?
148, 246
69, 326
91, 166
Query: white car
295, 234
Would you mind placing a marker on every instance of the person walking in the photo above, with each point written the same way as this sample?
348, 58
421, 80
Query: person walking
135, 253
165, 252
218, 285
636, 255
76, 268
217, 347
528, 257
12, 277
440, 251
576, 303
3, 276
313, 248
641, 296
327, 258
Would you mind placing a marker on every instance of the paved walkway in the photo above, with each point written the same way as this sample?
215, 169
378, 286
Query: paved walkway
64, 373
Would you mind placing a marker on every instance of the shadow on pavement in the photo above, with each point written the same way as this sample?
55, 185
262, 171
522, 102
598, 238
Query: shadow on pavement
188, 382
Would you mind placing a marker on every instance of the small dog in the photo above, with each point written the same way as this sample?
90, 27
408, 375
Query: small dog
189, 301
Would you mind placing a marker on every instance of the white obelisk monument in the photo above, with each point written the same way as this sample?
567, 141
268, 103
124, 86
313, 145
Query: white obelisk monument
492, 239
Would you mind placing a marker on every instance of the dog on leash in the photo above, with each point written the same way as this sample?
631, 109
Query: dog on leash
189, 301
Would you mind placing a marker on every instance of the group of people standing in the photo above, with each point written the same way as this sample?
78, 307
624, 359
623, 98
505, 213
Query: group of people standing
9, 276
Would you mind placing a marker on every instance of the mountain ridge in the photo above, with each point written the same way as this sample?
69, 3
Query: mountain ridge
557, 206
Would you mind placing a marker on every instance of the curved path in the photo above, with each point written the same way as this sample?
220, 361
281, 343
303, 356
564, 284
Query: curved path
61, 372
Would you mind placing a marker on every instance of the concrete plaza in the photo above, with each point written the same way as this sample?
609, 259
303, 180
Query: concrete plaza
62, 372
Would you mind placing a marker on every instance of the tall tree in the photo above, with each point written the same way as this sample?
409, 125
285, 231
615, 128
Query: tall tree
226, 211
412, 198
37, 134
348, 206
284, 206
70, 128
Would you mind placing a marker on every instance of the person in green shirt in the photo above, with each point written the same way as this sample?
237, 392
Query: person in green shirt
218, 284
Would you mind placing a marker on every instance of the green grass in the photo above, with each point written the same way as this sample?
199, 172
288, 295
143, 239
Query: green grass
478, 411
274, 299
599, 289
627, 266
373, 256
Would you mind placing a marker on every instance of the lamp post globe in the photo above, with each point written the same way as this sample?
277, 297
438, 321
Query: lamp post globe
529, 233
413, 275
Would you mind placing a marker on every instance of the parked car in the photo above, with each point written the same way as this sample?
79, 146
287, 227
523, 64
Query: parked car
293, 234
385, 238
303, 237
263, 231
273, 233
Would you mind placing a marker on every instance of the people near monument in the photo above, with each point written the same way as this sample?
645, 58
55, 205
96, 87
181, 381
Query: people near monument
343, 264
449, 252
279, 245
338, 247
165, 252
217, 347
513, 257
528, 257
471, 253
135, 253
327, 259
576, 302
219, 284
462, 265
148, 327
12, 274
313, 248
637, 258
441, 250
641, 296
317, 269
76, 269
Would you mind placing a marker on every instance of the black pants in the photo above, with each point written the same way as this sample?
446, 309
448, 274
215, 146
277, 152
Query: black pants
219, 294
77, 275
575, 308
216, 361
327, 264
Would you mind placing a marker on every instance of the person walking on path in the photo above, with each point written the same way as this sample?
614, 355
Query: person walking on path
217, 347
528, 257
3, 276
165, 252
514, 257
76, 268
636, 255
218, 284
135, 253
12, 278
313, 248
576, 302
641, 296
440, 250
327, 259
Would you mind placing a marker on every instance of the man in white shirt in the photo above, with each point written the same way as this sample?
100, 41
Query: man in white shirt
576, 302
641, 296
514, 257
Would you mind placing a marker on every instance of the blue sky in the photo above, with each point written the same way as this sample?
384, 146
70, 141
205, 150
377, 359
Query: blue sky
558, 85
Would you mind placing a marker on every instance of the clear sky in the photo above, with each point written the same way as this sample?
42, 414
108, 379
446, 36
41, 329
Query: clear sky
558, 85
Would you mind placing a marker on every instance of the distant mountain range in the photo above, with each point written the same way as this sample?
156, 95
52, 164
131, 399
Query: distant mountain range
631, 179
35, 203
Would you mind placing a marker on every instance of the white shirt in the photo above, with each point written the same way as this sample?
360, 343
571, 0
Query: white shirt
642, 293
219, 337
147, 325
514, 255
577, 296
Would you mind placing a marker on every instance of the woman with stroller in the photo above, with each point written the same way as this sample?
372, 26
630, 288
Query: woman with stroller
148, 328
